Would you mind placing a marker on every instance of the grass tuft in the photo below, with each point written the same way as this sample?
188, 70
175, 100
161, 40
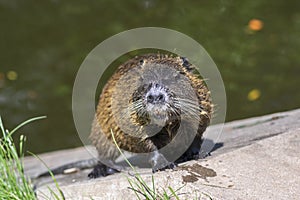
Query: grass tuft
141, 189
13, 183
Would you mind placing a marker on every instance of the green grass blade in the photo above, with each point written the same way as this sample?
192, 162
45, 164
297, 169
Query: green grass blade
153, 186
2, 126
173, 193
26, 122
52, 176
126, 160
132, 188
13, 182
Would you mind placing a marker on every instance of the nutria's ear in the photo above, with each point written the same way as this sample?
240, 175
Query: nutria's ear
186, 64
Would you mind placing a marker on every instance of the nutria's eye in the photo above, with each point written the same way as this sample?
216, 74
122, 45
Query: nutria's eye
141, 62
141, 79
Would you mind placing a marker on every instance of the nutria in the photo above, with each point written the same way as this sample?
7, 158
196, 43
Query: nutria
144, 104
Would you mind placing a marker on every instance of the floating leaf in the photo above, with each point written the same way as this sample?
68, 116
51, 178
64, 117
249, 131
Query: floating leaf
254, 95
255, 25
12, 75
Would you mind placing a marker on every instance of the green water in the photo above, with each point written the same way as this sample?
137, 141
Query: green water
43, 43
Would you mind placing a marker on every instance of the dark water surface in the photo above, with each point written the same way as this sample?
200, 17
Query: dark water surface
43, 43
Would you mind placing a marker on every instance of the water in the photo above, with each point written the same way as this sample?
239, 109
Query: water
43, 44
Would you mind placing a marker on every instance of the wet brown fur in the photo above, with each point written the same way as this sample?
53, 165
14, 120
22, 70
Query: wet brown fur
104, 121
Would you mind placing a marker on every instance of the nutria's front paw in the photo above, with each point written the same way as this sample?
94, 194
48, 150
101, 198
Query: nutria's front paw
171, 165
160, 163
101, 170
202, 155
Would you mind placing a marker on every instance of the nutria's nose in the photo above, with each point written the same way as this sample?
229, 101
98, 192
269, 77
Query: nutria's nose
155, 98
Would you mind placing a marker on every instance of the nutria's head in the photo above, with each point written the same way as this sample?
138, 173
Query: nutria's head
155, 93
154, 103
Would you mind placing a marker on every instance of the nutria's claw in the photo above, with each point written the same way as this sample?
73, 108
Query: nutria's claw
171, 165
101, 170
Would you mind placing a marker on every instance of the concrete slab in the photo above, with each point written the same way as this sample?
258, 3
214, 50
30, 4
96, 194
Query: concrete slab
259, 158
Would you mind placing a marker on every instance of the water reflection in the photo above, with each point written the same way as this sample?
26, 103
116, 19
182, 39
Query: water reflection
255, 45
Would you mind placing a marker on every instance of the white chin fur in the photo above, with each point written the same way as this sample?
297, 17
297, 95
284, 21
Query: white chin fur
158, 120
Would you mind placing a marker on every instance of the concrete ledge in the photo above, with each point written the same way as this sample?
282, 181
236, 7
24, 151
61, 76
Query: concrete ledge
258, 158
